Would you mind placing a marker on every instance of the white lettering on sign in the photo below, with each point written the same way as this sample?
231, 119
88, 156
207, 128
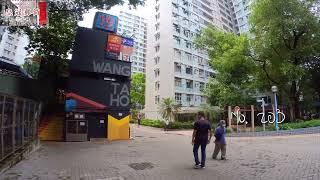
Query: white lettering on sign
271, 118
240, 117
102, 67
119, 97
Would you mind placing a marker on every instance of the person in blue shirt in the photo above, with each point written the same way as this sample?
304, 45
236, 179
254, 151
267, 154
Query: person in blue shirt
220, 142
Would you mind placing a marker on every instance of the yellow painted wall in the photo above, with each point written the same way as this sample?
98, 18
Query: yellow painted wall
118, 129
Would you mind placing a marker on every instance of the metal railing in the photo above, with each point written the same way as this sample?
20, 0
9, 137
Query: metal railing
19, 120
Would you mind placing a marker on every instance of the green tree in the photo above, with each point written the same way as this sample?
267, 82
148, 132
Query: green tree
32, 68
286, 36
137, 90
168, 108
232, 83
281, 46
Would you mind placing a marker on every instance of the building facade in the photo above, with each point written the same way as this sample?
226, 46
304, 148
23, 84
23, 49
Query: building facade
135, 27
175, 68
12, 46
242, 12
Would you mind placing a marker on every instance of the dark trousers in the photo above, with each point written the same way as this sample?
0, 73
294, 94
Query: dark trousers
196, 146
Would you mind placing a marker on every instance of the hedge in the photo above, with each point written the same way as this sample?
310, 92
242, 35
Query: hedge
189, 125
299, 125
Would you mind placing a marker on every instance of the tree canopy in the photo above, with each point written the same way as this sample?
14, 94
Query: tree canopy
281, 49
137, 91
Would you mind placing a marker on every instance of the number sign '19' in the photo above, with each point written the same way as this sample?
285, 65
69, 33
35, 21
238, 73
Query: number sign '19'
105, 22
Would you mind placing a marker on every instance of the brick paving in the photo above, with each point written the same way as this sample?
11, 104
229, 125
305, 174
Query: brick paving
154, 154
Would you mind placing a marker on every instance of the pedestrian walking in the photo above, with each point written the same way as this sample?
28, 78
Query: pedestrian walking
220, 142
139, 119
200, 138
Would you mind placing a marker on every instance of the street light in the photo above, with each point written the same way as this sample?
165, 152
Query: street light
274, 89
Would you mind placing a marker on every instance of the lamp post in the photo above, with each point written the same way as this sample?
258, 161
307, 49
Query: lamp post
274, 89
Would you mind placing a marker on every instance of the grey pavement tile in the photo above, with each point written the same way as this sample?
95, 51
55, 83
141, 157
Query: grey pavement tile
157, 155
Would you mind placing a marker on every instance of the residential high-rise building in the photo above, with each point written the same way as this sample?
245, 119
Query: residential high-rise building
12, 46
315, 9
242, 13
175, 67
135, 27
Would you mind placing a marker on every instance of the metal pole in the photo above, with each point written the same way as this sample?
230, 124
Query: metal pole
276, 110
252, 118
264, 115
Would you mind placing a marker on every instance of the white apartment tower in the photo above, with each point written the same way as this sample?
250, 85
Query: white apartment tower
242, 13
175, 68
135, 27
12, 46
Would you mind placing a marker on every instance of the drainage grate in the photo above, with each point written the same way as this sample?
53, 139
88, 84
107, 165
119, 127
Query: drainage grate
141, 166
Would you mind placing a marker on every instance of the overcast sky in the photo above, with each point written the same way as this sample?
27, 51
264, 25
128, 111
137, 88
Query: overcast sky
140, 11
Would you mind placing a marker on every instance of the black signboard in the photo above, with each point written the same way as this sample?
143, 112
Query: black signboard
114, 94
89, 54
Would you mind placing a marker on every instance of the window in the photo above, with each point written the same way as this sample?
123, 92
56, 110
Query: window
6, 51
177, 67
157, 36
189, 84
177, 54
177, 82
157, 99
177, 39
158, 16
157, 85
189, 70
201, 73
157, 72
186, 33
157, 48
156, 60
175, 7
176, 28
10, 37
188, 44
157, 26
189, 97
189, 56
177, 97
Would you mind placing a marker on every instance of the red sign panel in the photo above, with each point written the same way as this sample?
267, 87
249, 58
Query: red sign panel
42, 13
114, 43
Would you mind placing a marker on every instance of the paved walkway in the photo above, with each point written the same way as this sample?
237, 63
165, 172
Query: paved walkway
154, 154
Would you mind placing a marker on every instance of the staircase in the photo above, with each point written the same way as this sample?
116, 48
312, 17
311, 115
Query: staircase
51, 128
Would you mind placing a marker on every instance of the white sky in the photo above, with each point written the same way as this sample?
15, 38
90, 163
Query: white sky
141, 11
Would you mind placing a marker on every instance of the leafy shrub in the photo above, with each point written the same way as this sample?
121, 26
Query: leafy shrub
152, 123
161, 124
299, 125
